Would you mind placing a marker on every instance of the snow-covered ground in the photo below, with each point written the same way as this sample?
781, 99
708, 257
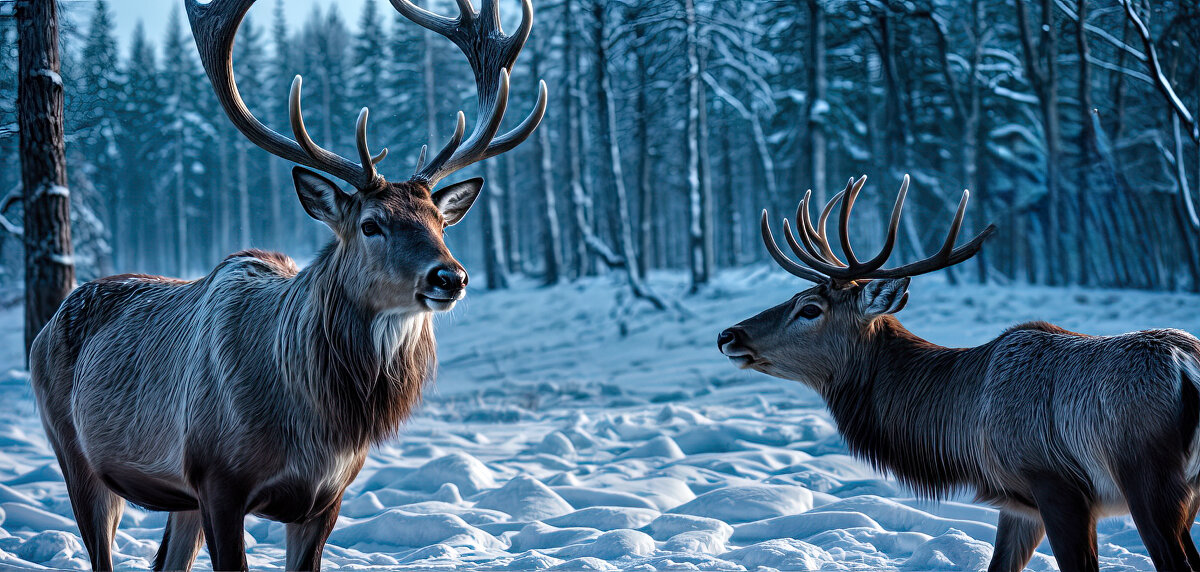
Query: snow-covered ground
573, 429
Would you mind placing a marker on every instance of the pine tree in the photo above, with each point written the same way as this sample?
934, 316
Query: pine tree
140, 114
406, 123
184, 139
286, 220
249, 57
96, 123
326, 108
370, 56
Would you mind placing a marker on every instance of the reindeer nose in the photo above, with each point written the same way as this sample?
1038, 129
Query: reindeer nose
727, 336
448, 278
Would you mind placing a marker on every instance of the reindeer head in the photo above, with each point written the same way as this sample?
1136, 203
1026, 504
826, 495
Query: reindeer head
390, 235
811, 337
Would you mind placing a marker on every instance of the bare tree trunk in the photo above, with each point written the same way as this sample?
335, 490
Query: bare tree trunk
1182, 210
219, 201
896, 121
733, 250
581, 201
428, 72
706, 192
243, 197
1041, 63
276, 197
1086, 137
495, 265
222, 220
973, 131
181, 222
698, 254
551, 234
49, 260
646, 241
817, 105
608, 136
511, 221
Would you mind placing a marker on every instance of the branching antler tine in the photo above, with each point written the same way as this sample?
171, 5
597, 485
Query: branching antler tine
822, 222
510, 140
491, 54
426, 19
802, 252
786, 263
297, 119
466, 12
813, 237
517, 40
382, 153
447, 151
933, 263
815, 262
421, 159
893, 227
971, 247
844, 221
804, 226
952, 236
214, 25
364, 152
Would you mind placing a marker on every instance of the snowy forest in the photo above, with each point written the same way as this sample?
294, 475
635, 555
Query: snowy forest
671, 124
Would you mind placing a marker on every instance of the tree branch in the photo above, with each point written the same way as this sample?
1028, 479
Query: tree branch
1160, 80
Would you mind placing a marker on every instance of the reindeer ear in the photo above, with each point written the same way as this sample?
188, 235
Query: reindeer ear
455, 200
321, 198
883, 296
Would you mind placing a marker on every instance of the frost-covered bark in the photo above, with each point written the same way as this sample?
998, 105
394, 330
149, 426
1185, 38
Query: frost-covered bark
49, 260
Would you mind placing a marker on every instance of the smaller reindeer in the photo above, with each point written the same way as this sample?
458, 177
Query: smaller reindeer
1055, 428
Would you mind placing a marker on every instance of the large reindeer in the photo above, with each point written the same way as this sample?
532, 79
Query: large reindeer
1057, 429
259, 388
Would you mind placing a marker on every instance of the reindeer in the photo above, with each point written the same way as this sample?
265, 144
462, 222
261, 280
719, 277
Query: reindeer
1055, 428
259, 388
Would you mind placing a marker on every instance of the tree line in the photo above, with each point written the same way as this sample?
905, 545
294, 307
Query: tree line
672, 123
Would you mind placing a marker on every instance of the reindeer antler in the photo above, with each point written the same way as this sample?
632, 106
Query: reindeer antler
821, 262
491, 54
214, 26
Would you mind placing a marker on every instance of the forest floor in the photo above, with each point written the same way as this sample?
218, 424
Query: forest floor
572, 428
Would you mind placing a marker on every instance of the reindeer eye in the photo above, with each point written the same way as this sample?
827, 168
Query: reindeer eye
371, 228
810, 311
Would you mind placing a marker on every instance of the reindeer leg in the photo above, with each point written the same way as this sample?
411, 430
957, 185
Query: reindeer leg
1017, 536
306, 540
1160, 503
1066, 510
223, 514
97, 509
97, 512
1185, 537
181, 541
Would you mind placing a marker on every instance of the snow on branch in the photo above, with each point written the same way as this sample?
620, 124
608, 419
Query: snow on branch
11, 199
1180, 114
1160, 80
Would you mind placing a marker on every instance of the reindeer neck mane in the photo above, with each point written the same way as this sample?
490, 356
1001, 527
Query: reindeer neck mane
362, 370
903, 403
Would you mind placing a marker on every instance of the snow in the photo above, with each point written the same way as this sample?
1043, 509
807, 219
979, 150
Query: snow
557, 438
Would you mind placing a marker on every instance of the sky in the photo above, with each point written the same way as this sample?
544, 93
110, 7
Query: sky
154, 14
